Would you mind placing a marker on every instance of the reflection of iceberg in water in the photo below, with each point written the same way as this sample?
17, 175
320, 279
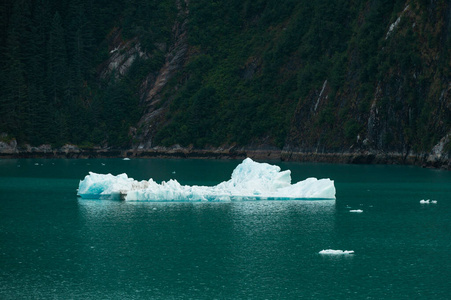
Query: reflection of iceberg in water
250, 181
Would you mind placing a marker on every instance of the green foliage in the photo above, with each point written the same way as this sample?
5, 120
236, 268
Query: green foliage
351, 129
49, 92
253, 67
151, 21
286, 51
198, 123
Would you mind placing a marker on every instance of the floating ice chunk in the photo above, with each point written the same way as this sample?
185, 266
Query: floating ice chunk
107, 186
428, 201
249, 181
126, 158
336, 252
356, 211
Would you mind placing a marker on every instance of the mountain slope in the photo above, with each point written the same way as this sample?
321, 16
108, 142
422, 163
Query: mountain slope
336, 76
363, 77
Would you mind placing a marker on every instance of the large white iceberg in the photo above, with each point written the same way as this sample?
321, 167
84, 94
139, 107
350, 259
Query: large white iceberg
250, 181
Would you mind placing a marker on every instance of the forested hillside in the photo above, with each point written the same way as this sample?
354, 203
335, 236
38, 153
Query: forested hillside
51, 57
302, 76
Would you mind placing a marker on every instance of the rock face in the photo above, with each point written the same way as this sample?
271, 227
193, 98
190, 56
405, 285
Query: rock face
440, 154
409, 112
152, 87
7, 146
122, 54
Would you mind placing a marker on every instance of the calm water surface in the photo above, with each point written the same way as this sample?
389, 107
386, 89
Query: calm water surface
55, 246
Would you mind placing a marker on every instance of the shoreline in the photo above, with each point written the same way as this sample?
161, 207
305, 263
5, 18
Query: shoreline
363, 157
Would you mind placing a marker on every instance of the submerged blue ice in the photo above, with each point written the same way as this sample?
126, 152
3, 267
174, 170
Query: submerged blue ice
249, 181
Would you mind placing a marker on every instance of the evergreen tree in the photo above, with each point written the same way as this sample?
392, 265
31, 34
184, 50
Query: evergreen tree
39, 122
57, 76
79, 42
57, 62
14, 102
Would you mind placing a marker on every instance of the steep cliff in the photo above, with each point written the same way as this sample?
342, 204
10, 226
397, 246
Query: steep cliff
394, 96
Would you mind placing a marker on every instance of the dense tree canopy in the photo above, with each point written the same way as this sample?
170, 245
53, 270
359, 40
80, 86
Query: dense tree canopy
51, 92
283, 73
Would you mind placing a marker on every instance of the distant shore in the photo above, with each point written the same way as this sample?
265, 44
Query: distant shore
363, 157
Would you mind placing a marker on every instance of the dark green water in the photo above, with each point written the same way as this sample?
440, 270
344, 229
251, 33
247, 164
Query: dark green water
55, 246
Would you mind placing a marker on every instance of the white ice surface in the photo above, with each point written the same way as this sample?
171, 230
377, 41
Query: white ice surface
249, 181
336, 252
428, 201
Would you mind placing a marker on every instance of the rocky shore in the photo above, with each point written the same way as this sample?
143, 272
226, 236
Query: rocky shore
437, 159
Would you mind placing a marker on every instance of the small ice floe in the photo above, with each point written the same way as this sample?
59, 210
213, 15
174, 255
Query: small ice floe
173, 172
336, 252
102, 164
126, 158
36, 164
428, 201
356, 211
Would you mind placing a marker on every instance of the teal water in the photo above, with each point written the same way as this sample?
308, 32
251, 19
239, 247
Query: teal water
55, 246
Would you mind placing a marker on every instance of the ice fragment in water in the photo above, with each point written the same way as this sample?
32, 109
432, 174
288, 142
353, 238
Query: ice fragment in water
336, 252
428, 201
356, 211
249, 181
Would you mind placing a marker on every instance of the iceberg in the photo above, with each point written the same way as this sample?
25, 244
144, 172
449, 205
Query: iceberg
250, 180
